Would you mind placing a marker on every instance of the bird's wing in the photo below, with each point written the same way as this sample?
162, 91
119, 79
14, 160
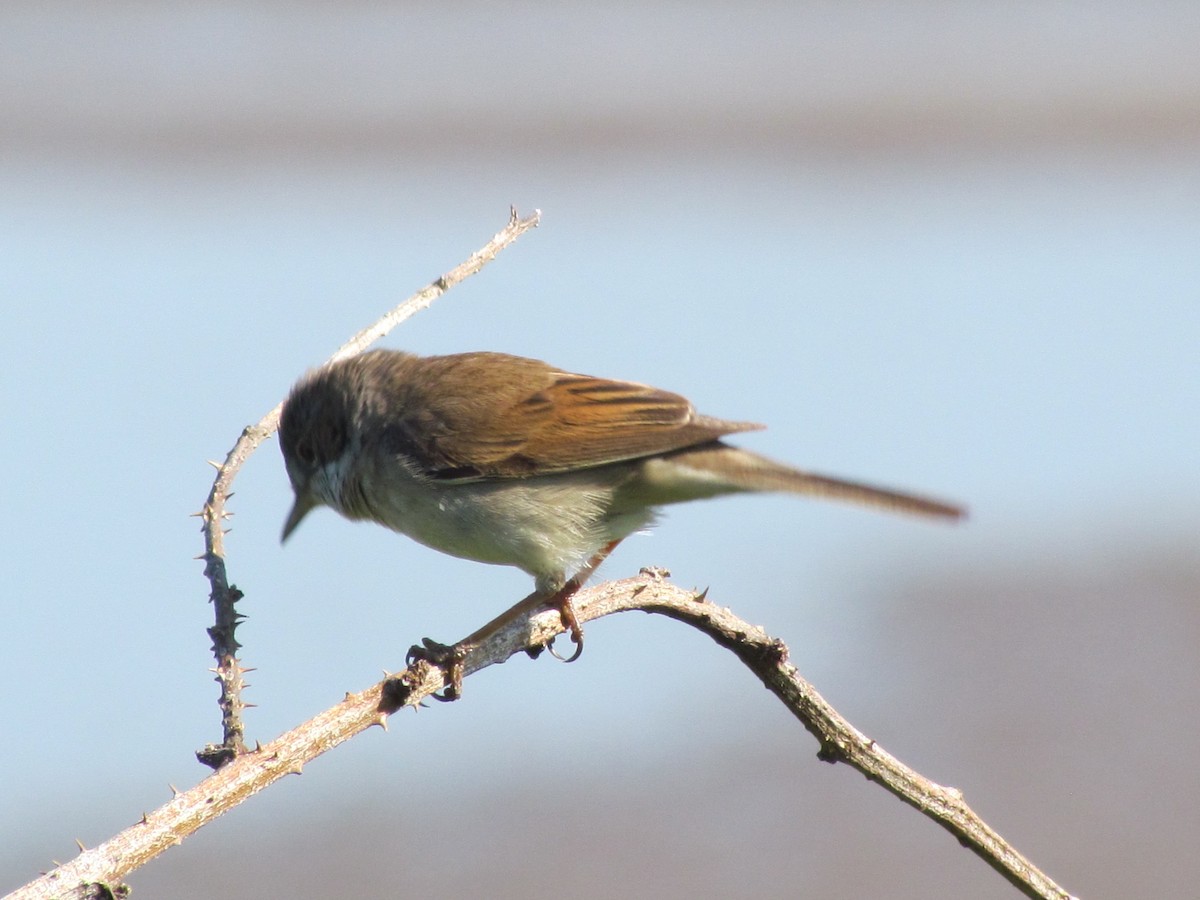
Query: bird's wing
533, 419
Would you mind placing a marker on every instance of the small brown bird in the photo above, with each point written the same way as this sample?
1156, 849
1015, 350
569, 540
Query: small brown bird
507, 460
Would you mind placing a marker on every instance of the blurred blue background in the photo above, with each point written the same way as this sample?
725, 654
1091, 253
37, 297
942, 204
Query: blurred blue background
945, 247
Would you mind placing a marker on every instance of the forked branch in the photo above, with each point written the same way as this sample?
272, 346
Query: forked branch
242, 773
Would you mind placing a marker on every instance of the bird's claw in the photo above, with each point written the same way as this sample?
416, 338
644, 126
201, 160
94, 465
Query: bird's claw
448, 658
567, 659
570, 625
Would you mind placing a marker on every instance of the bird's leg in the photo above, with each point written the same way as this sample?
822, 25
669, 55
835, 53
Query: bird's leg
452, 658
562, 599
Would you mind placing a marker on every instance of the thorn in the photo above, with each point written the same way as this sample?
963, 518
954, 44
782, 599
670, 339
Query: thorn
174, 790
215, 465
145, 819
382, 721
249, 705
196, 515
641, 587
79, 844
701, 597
258, 746
296, 769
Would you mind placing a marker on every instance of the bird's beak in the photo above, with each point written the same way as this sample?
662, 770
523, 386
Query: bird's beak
300, 509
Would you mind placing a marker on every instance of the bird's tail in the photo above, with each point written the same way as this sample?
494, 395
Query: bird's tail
735, 469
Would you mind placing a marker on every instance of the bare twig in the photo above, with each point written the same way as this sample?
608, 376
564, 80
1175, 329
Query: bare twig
98, 872
224, 595
766, 656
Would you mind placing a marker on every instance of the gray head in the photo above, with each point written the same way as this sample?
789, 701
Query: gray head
314, 435
335, 415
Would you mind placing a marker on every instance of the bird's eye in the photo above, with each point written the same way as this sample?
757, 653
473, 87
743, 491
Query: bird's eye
305, 452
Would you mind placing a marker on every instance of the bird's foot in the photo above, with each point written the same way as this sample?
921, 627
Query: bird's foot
449, 658
562, 602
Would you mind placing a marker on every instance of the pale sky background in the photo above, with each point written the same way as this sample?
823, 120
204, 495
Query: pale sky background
945, 247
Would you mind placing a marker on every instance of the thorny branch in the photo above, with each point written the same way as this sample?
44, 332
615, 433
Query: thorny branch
766, 656
241, 773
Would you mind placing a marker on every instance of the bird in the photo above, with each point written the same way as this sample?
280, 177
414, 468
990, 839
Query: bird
508, 460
